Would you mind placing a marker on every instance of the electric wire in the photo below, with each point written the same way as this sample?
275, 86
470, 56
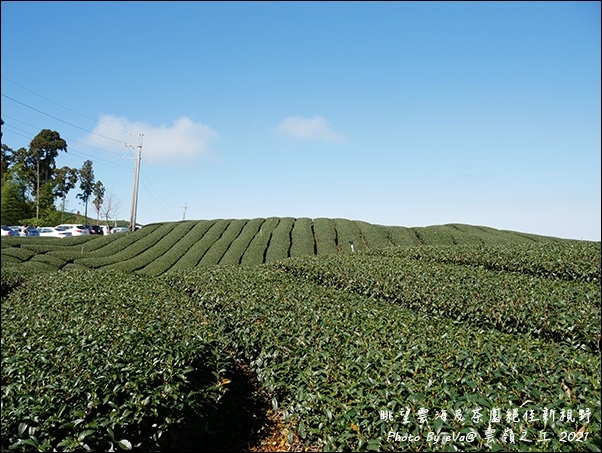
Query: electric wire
148, 184
71, 150
62, 121
152, 191
60, 105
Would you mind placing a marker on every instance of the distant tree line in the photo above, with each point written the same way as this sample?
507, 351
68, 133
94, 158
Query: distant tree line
32, 183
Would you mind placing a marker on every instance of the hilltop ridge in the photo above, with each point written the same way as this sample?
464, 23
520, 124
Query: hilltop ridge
160, 247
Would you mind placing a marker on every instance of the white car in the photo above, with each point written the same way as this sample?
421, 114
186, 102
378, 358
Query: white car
6, 231
75, 229
55, 232
120, 230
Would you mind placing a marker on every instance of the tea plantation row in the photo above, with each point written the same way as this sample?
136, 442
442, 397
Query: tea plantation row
159, 248
466, 347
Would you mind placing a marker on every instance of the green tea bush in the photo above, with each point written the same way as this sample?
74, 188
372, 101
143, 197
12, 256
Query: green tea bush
255, 253
402, 236
221, 246
97, 361
566, 260
326, 237
434, 235
280, 241
114, 243
104, 360
336, 361
18, 253
155, 248
132, 245
53, 261
195, 253
374, 236
152, 252
233, 255
347, 231
167, 260
345, 346
302, 238
562, 311
11, 278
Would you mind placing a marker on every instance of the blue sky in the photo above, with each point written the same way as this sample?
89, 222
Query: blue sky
395, 113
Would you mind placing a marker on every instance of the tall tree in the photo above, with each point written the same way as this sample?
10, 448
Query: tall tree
6, 160
86, 184
41, 159
99, 193
65, 179
13, 200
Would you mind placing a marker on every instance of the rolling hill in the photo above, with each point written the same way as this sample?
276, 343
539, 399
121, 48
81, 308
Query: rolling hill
161, 247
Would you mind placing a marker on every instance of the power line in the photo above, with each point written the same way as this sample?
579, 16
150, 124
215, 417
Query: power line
62, 121
150, 186
60, 105
151, 193
10, 126
71, 149
147, 170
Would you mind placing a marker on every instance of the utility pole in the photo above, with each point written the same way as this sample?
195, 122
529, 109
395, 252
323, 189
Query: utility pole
136, 177
184, 216
38, 185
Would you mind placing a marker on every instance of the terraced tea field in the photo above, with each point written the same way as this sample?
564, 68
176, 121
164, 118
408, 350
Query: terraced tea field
273, 335
159, 248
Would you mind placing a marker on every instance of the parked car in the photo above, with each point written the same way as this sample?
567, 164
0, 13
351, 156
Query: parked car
6, 231
74, 228
95, 229
26, 231
54, 232
120, 230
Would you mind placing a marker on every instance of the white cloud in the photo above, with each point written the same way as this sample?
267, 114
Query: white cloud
316, 129
182, 140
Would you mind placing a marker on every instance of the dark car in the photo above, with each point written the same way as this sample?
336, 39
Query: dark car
95, 229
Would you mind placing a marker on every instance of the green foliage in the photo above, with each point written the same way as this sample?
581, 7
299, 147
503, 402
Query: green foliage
13, 200
255, 253
326, 236
434, 235
562, 260
348, 231
239, 245
86, 184
195, 253
108, 360
552, 309
373, 236
124, 247
402, 236
155, 244
162, 263
94, 360
280, 240
302, 238
159, 248
12, 278
20, 253
222, 244
333, 359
